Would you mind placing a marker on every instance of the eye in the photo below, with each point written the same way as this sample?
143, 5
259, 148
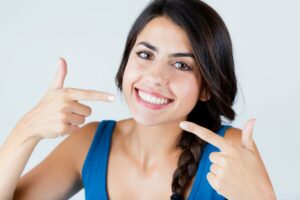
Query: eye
144, 54
182, 66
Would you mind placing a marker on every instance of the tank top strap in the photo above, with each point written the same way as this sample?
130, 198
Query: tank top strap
95, 165
201, 188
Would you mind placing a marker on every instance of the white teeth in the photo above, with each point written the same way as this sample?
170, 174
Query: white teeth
151, 99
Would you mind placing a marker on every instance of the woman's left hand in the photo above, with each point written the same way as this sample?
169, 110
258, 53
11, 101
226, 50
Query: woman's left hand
236, 172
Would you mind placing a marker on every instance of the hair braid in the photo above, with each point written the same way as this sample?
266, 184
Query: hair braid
188, 161
192, 147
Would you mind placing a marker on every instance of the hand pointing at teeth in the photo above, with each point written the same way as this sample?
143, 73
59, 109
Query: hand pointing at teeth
236, 172
59, 111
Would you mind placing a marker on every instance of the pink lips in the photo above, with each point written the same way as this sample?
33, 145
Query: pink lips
150, 105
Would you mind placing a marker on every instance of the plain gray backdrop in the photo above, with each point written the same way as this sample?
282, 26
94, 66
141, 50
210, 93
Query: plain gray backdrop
91, 36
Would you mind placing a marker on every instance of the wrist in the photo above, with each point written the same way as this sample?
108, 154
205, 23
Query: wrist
20, 135
17, 143
267, 192
262, 191
25, 131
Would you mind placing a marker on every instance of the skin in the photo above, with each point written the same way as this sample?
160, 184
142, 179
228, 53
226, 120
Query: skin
143, 155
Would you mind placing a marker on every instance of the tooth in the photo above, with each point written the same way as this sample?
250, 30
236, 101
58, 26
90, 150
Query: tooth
147, 96
152, 99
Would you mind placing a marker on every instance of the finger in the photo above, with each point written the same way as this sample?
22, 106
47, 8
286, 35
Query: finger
80, 109
89, 95
206, 135
213, 181
218, 158
75, 119
71, 129
215, 169
60, 75
247, 139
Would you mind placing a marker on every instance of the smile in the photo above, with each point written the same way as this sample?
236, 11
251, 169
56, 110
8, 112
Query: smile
152, 101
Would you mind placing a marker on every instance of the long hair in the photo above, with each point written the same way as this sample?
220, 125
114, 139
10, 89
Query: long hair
212, 47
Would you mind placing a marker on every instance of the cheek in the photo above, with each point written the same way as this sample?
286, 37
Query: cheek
127, 79
133, 70
131, 75
186, 89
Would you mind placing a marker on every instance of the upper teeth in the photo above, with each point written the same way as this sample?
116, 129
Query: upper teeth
152, 99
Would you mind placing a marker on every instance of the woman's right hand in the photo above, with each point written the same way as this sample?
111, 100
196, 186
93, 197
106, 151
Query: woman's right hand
59, 112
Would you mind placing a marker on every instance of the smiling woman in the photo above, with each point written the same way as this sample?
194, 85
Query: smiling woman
161, 73
178, 79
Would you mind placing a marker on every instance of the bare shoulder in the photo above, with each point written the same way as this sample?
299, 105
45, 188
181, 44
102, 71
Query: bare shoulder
59, 174
234, 135
80, 142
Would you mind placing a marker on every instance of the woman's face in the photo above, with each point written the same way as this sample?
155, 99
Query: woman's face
161, 82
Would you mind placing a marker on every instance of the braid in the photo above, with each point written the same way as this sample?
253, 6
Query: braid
188, 161
192, 148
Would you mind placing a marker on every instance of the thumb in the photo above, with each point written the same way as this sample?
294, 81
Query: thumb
247, 134
60, 75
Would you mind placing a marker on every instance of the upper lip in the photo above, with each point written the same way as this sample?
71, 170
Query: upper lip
152, 93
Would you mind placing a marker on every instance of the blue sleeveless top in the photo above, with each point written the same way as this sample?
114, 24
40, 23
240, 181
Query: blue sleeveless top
94, 171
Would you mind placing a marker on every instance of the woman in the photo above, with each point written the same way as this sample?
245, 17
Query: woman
177, 76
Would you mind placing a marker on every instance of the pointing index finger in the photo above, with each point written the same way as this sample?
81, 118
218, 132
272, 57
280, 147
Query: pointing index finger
89, 95
206, 135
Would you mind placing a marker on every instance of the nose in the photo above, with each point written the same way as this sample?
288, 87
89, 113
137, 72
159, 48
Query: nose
157, 75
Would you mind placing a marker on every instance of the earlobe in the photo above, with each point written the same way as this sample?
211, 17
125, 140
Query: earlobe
204, 98
204, 95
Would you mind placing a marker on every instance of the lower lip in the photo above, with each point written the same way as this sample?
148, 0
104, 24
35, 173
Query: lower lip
149, 105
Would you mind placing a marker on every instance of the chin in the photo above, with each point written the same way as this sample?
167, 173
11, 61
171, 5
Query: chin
153, 121
146, 121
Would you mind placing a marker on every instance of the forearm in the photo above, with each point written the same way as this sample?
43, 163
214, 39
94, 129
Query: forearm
14, 154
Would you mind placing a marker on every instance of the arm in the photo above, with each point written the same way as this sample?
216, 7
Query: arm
58, 176
55, 177
59, 112
14, 155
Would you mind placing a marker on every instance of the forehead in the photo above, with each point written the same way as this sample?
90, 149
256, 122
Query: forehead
163, 33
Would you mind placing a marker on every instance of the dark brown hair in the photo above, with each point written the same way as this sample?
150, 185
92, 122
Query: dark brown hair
212, 48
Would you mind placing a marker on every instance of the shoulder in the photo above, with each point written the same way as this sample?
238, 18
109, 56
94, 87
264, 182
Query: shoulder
78, 143
234, 135
84, 135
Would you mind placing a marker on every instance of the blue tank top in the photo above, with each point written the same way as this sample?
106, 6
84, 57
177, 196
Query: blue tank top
94, 171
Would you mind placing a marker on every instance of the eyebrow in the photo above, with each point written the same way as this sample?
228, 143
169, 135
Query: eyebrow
150, 46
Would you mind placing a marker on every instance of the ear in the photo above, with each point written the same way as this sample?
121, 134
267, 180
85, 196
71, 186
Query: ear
204, 95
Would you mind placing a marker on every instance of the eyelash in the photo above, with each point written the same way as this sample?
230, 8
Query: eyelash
187, 67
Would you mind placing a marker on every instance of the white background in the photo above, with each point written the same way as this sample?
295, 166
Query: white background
91, 36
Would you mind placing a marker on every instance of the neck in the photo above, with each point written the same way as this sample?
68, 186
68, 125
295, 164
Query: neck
150, 145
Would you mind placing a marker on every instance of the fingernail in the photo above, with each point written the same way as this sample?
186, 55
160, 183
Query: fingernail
183, 125
111, 98
60, 60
